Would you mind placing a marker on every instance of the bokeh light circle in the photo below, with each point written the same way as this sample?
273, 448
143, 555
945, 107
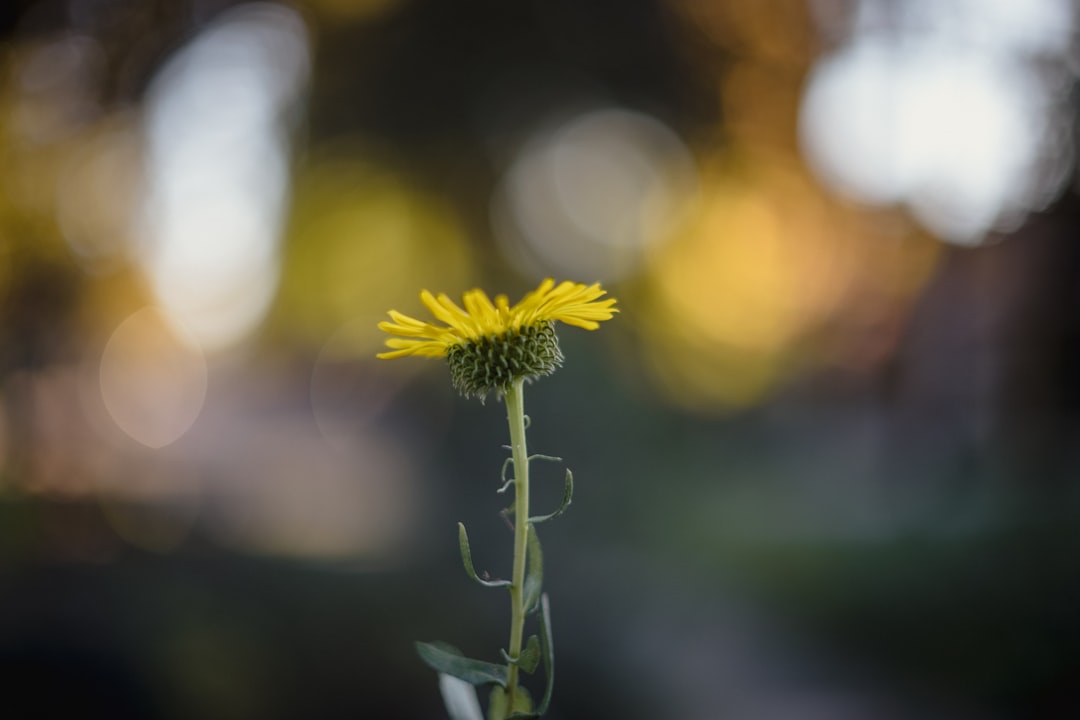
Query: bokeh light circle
946, 113
586, 197
217, 155
153, 382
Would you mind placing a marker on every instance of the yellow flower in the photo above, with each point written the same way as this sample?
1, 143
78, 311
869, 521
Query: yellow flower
488, 345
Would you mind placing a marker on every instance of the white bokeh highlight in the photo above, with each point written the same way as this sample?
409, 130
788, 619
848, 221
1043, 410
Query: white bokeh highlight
586, 196
940, 107
217, 170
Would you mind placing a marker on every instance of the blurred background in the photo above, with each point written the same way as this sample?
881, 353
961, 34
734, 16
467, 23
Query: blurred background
827, 457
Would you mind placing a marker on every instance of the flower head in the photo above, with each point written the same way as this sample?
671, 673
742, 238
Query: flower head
489, 345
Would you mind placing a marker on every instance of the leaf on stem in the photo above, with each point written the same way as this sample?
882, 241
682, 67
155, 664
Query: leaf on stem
530, 655
466, 560
548, 652
567, 498
506, 482
534, 572
447, 659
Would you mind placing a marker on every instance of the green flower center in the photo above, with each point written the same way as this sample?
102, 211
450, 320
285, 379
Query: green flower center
492, 363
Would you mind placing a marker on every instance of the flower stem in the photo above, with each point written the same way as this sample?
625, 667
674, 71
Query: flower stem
515, 414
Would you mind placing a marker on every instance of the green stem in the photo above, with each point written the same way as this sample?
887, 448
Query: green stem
515, 414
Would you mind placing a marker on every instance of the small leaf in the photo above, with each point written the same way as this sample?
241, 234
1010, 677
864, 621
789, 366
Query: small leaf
530, 655
447, 659
534, 571
497, 709
505, 482
466, 559
523, 706
567, 498
547, 651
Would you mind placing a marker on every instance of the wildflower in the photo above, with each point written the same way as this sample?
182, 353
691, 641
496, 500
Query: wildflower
490, 345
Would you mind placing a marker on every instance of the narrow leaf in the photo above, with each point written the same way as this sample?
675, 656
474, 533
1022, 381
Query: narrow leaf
568, 496
466, 559
447, 659
534, 571
505, 482
547, 651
